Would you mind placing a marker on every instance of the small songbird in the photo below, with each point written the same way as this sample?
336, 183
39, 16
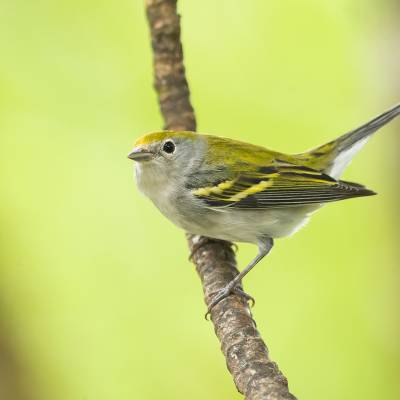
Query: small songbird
235, 191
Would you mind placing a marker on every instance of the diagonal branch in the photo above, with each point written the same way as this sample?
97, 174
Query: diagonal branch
254, 374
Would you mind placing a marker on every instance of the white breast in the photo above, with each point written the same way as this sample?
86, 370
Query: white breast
161, 189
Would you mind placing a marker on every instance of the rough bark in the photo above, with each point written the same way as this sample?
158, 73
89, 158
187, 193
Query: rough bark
254, 374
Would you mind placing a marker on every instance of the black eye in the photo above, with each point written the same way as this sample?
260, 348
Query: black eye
169, 147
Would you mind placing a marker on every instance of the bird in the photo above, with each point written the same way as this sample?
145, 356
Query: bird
239, 192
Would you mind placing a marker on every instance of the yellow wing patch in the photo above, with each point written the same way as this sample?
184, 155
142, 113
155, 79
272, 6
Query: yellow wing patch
218, 189
250, 190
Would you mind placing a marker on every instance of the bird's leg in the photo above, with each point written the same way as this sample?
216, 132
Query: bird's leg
264, 248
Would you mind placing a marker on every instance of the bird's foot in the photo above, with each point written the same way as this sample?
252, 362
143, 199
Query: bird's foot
240, 292
224, 293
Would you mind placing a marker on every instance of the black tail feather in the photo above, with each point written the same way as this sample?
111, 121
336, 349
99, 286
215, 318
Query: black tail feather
354, 136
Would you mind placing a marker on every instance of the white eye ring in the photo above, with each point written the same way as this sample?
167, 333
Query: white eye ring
169, 147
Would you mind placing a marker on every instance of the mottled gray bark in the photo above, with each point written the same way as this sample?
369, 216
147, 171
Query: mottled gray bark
254, 374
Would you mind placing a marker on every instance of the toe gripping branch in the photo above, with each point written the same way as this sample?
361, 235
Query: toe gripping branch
200, 247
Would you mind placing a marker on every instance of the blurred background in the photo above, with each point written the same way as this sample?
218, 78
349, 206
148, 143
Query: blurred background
97, 298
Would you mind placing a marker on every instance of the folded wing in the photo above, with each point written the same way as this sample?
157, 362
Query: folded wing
278, 185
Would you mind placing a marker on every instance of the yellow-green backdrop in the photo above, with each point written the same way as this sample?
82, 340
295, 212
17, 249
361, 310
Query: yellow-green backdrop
98, 300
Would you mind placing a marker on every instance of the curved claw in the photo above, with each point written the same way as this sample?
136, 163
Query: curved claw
239, 291
224, 293
220, 295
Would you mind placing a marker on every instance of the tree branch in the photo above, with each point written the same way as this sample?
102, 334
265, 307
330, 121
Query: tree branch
254, 374
13, 383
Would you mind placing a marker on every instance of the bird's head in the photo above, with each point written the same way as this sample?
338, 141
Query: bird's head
168, 151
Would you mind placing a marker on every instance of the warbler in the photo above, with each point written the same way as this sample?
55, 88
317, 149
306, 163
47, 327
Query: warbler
235, 191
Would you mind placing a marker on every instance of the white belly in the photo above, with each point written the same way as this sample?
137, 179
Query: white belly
232, 224
235, 225
252, 225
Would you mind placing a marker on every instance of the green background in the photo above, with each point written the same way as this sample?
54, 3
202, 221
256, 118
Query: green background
97, 298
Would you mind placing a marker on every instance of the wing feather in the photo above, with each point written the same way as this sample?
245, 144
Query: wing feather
278, 185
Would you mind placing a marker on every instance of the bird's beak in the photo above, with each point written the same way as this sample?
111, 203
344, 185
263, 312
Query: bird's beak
140, 154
